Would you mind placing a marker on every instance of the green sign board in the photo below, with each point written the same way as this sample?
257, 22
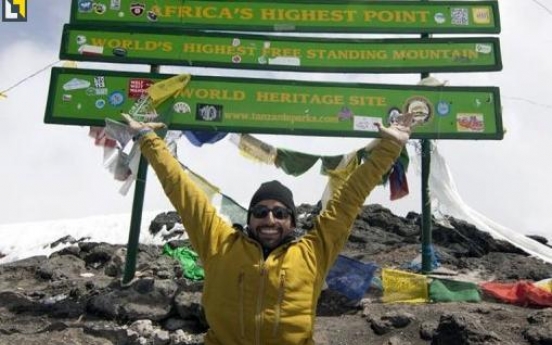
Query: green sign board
362, 16
87, 97
237, 50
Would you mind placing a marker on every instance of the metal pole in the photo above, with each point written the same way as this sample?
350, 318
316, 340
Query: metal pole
427, 252
136, 217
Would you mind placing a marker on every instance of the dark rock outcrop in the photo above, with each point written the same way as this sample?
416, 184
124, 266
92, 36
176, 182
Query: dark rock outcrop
77, 293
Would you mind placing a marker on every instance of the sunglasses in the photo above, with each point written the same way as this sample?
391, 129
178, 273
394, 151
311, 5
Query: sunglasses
261, 211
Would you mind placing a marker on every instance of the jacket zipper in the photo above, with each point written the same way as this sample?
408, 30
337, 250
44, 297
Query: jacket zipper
242, 301
278, 306
258, 315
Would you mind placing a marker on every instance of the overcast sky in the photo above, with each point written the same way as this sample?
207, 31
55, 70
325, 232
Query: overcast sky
53, 171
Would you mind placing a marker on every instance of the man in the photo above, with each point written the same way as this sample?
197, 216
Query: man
262, 285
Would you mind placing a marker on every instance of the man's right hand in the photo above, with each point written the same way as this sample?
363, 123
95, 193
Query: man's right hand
137, 126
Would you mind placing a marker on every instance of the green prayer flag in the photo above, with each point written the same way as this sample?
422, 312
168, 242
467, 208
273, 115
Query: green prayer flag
295, 163
444, 290
330, 163
188, 261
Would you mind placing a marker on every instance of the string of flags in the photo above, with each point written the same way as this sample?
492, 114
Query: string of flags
4, 93
353, 278
406, 287
337, 167
295, 163
124, 164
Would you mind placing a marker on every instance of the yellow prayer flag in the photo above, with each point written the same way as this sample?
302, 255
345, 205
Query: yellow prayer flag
339, 175
164, 89
404, 287
69, 64
545, 284
257, 150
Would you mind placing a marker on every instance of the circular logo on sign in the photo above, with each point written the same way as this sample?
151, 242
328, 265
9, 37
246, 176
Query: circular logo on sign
100, 8
81, 39
443, 108
392, 115
116, 98
120, 52
100, 103
137, 8
152, 16
181, 108
439, 18
420, 107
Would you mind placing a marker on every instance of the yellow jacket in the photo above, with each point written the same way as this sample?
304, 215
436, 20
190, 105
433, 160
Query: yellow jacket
250, 300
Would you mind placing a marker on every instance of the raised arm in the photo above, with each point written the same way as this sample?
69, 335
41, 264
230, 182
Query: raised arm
335, 223
205, 228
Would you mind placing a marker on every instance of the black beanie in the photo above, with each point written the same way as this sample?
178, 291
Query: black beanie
273, 190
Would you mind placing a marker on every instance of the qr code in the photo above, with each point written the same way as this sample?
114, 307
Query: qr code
459, 16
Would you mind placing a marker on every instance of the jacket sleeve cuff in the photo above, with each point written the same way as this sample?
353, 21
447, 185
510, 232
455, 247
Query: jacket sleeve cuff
141, 133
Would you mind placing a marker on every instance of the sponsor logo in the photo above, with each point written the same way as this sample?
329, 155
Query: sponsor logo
483, 48
99, 82
138, 87
209, 112
137, 8
96, 92
181, 108
443, 108
81, 39
152, 16
116, 98
345, 114
481, 15
85, 6
393, 115
440, 18
366, 123
470, 123
76, 84
100, 8
115, 5
421, 108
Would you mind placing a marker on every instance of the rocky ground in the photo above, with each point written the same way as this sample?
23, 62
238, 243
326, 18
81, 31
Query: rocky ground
75, 296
